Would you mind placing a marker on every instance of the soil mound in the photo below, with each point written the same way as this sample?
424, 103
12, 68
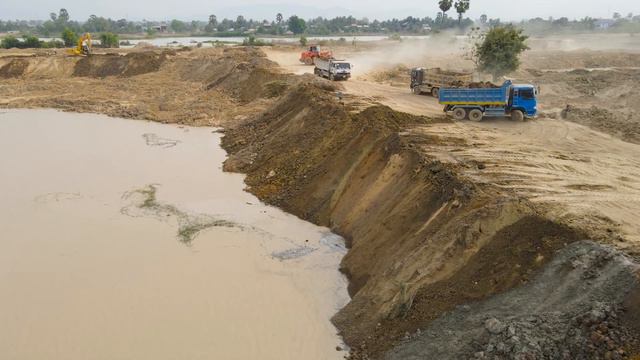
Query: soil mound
139, 63
421, 239
14, 68
131, 64
482, 85
574, 309
244, 73
622, 126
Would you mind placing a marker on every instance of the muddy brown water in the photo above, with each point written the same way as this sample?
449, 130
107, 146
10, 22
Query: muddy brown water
88, 270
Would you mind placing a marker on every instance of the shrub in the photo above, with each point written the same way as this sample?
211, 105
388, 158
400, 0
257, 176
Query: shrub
31, 42
109, 40
69, 37
9, 42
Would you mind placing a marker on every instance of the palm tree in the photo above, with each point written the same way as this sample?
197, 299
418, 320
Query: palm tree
461, 7
445, 5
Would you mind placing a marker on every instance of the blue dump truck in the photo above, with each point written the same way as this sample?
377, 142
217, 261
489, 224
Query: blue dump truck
516, 101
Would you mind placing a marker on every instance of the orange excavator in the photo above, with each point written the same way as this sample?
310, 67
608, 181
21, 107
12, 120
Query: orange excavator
314, 51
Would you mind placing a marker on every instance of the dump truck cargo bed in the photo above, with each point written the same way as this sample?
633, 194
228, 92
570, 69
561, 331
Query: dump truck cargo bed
481, 96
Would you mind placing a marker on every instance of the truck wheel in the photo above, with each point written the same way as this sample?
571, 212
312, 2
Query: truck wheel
475, 115
308, 61
517, 115
331, 77
459, 114
435, 92
416, 90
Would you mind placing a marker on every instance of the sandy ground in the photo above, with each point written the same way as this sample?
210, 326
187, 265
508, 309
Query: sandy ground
574, 172
437, 213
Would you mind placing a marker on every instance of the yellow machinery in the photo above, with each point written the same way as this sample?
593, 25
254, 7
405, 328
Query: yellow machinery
83, 47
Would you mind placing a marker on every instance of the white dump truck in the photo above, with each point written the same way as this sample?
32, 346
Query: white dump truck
332, 69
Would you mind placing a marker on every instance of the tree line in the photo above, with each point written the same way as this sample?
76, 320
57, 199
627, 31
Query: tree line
279, 25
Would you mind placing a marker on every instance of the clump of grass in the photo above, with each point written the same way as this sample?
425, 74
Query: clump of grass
189, 225
149, 193
189, 230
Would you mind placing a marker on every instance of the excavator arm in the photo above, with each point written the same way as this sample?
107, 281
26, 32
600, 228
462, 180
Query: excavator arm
83, 47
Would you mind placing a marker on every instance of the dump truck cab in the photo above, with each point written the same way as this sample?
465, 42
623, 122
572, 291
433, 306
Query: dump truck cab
523, 98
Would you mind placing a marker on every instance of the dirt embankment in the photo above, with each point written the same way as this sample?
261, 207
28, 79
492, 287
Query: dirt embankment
422, 241
196, 87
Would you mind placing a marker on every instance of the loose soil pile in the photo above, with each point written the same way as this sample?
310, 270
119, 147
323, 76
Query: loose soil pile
132, 64
14, 68
603, 99
199, 87
572, 310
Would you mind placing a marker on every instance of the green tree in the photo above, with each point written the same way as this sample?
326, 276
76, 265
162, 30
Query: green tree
445, 5
31, 42
279, 18
461, 7
109, 40
69, 37
303, 40
499, 53
241, 22
178, 26
297, 25
9, 42
63, 16
211, 26
483, 19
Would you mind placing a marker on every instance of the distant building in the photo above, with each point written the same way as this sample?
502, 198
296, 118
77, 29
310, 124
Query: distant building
160, 28
604, 24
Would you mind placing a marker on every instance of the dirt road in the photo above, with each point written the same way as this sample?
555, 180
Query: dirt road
576, 174
398, 98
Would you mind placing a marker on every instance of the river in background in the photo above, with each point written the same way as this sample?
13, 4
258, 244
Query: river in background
123, 239
206, 40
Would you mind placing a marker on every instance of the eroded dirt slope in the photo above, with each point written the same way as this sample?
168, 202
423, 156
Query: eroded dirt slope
197, 87
422, 238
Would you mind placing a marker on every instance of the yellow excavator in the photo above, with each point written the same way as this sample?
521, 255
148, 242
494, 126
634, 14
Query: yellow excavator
83, 47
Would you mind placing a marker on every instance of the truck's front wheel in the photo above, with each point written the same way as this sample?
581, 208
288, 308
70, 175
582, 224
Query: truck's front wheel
459, 114
435, 92
416, 90
517, 115
475, 115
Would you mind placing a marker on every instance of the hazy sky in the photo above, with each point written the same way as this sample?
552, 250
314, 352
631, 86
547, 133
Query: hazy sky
198, 9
